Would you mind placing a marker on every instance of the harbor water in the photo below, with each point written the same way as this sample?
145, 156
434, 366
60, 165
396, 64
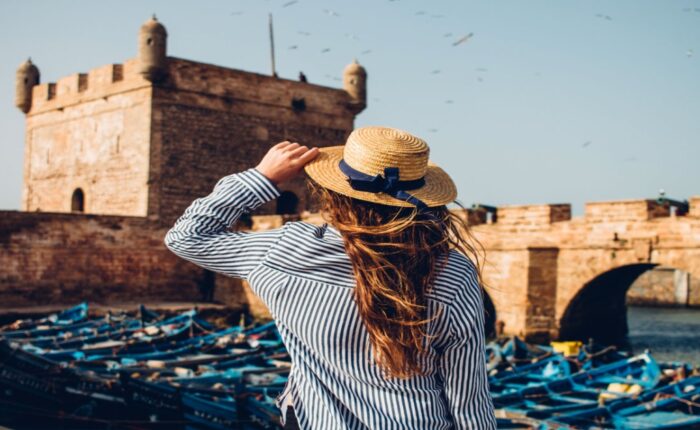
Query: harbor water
671, 334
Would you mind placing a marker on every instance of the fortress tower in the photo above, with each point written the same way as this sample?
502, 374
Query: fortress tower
146, 137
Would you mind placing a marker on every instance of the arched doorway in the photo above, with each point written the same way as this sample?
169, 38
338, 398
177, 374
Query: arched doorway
599, 310
77, 202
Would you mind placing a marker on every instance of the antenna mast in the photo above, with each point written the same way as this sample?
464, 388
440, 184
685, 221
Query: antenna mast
272, 46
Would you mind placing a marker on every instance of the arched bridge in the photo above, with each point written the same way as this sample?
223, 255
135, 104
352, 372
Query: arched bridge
553, 276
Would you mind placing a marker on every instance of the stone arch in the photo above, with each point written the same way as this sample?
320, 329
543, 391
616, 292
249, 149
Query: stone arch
77, 201
599, 309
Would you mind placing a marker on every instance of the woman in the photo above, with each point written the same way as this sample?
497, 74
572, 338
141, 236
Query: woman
380, 308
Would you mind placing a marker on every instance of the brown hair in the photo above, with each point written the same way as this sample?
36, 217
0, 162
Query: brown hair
396, 253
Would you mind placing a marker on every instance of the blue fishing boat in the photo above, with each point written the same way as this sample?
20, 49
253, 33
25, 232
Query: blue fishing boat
152, 371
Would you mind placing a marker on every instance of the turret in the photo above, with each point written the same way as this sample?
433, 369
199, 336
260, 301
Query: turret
355, 84
27, 77
152, 50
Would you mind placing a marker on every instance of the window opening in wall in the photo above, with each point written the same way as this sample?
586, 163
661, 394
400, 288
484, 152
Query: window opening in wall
287, 203
77, 203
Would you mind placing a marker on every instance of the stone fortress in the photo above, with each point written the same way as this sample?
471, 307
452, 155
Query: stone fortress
115, 155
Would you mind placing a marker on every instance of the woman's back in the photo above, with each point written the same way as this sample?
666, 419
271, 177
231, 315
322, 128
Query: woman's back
384, 321
306, 280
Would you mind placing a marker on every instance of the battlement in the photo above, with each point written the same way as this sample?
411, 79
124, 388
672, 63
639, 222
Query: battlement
81, 87
229, 85
694, 206
533, 214
233, 85
626, 210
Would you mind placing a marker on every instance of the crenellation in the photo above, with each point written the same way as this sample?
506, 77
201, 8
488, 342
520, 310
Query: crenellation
694, 206
534, 214
68, 85
235, 86
626, 210
101, 82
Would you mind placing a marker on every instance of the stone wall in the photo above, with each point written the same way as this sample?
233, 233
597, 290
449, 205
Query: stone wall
50, 258
664, 286
89, 132
210, 121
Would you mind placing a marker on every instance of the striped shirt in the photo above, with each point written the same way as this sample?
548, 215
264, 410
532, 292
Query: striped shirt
303, 274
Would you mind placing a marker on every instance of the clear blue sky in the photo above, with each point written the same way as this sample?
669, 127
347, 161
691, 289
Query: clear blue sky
547, 102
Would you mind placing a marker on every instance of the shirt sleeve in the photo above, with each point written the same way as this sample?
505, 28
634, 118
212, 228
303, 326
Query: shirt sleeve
201, 235
463, 361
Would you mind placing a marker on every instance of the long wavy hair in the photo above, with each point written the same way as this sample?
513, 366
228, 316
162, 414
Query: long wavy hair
396, 253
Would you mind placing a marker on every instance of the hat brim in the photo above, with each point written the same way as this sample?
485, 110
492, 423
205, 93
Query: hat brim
439, 189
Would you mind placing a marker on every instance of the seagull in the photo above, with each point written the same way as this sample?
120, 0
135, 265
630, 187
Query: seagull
331, 12
449, 102
586, 143
463, 39
432, 130
293, 47
689, 53
325, 50
437, 15
481, 69
435, 72
480, 79
289, 3
352, 36
304, 33
420, 12
601, 16
366, 51
240, 12
447, 35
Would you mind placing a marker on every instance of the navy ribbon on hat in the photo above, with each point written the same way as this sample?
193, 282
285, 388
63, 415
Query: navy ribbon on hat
389, 183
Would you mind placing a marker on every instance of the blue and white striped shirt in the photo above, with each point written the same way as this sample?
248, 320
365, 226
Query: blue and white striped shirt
304, 276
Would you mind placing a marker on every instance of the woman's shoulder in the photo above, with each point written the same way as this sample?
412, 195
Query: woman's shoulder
457, 278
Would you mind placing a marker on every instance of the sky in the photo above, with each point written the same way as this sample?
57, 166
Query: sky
544, 102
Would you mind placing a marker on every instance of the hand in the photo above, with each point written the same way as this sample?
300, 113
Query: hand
285, 160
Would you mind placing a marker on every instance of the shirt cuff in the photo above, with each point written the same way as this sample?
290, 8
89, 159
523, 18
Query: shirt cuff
258, 184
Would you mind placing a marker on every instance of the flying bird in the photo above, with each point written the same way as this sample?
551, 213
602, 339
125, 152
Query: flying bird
304, 33
463, 39
366, 51
586, 143
331, 12
481, 69
293, 47
447, 35
289, 3
480, 79
689, 53
435, 72
432, 130
239, 12
420, 12
325, 50
449, 102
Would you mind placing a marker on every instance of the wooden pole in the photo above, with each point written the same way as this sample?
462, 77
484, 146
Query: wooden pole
272, 47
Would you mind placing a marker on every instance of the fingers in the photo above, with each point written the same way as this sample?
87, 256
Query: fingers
308, 156
297, 151
291, 147
282, 145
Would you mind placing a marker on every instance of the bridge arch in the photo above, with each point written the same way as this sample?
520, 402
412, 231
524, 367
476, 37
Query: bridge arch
599, 309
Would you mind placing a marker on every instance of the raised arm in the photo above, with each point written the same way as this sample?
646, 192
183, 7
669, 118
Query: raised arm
201, 235
463, 363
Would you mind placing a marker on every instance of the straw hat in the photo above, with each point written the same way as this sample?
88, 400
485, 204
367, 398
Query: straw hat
383, 165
